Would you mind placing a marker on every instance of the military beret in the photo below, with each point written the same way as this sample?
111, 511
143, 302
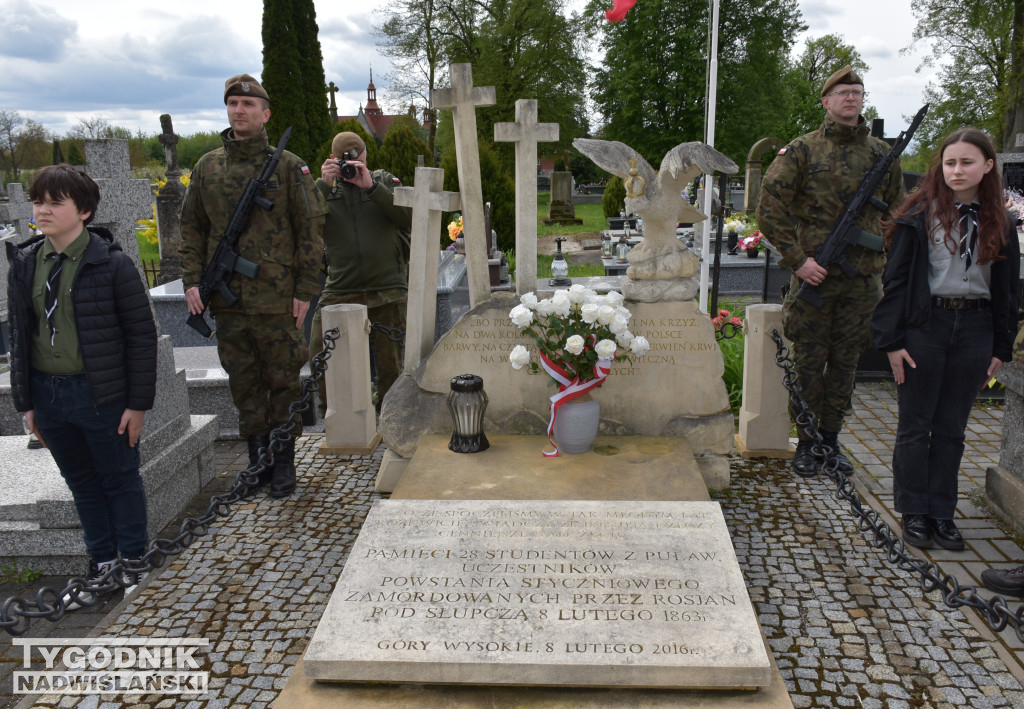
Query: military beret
243, 85
347, 142
846, 75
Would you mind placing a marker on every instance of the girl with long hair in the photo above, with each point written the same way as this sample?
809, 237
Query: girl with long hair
947, 320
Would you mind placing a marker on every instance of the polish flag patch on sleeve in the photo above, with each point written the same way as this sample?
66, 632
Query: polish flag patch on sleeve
304, 169
782, 152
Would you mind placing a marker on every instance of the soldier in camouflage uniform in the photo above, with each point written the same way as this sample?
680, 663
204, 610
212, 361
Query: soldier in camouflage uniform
259, 339
366, 237
805, 190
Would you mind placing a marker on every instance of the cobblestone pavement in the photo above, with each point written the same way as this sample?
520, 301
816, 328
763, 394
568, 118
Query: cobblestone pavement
846, 628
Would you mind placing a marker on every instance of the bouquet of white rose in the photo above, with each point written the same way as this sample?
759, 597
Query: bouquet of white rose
575, 330
578, 333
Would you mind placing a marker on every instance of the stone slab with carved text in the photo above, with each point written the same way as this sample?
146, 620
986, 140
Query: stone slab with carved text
586, 593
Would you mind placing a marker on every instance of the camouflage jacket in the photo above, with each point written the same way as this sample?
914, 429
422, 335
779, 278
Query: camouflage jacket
809, 184
366, 237
285, 241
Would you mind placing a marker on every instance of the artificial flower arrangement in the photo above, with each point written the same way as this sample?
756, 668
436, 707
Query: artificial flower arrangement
455, 228
736, 226
1014, 203
724, 316
578, 333
752, 242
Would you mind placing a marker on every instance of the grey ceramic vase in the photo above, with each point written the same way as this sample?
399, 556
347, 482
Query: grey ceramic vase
576, 425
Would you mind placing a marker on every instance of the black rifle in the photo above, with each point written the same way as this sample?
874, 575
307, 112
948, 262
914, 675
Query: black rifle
846, 232
226, 261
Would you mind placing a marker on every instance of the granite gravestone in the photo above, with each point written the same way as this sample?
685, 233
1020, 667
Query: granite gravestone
561, 210
168, 206
585, 593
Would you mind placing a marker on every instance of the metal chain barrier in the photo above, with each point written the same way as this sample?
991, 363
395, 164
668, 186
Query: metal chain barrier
17, 613
996, 611
392, 333
727, 331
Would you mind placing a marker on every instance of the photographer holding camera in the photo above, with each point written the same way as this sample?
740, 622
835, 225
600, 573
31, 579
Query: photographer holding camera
366, 239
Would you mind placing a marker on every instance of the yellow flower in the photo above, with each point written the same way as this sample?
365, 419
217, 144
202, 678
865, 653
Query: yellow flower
455, 228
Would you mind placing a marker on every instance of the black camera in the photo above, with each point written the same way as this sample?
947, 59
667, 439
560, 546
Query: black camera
348, 171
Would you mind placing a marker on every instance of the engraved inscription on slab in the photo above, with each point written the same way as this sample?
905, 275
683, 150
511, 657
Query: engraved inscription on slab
542, 593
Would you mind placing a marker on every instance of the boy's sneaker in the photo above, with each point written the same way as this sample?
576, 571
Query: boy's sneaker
134, 572
78, 599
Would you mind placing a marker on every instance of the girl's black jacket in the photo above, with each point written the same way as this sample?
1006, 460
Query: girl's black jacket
116, 331
907, 300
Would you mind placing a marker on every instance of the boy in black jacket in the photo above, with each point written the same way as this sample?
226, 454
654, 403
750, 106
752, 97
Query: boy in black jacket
83, 362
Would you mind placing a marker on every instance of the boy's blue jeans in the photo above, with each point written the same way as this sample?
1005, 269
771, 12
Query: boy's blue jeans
98, 465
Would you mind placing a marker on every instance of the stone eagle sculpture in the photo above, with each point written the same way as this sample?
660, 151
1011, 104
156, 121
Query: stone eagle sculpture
657, 199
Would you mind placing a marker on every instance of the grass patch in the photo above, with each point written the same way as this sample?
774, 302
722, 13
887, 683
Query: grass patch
578, 270
591, 214
11, 573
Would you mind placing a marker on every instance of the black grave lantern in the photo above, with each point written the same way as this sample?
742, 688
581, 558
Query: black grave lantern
467, 403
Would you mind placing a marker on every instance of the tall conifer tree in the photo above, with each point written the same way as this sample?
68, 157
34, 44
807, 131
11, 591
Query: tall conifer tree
293, 75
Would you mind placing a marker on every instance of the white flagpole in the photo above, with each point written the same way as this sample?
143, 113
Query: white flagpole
709, 138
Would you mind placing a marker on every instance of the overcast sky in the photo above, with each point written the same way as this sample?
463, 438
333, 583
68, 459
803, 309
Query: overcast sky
128, 61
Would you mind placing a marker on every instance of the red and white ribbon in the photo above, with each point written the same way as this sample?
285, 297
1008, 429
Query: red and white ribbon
569, 389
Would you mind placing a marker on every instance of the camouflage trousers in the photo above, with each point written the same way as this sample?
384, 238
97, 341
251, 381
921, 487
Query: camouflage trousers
263, 356
387, 354
828, 342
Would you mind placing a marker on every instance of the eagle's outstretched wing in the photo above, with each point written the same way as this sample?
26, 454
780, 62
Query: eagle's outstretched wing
613, 156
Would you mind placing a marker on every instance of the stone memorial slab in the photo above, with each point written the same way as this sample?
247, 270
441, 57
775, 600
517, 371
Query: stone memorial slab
584, 593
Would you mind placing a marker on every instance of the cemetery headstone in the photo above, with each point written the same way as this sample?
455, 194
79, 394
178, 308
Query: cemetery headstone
752, 193
168, 206
462, 99
561, 209
526, 132
123, 200
542, 592
17, 210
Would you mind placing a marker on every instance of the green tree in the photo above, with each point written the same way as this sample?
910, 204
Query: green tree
822, 57
613, 201
401, 149
649, 90
412, 37
195, 146
293, 75
980, 45
23, 143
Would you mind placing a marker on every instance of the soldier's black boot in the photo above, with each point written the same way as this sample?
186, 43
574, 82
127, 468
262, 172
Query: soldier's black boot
805, 464
283, 481
255, 443
831, 440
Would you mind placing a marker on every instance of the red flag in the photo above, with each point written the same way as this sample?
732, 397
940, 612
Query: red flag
619, 10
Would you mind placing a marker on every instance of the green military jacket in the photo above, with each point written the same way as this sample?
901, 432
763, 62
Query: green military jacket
286, 241
366, 237
809, 184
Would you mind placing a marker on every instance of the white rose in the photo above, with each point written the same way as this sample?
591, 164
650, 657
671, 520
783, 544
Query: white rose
578, 293
560, 303
574, 344
605, 349
624, 338
605, 314
618, 324
588, 313
519, 357
639, 346
521, 316
614, 299
545, 307
529, 300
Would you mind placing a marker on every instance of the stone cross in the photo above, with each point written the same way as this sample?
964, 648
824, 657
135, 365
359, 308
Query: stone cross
168, 206
17, 211
427, 200
123, 201
526, 132
332, 88
463, 98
